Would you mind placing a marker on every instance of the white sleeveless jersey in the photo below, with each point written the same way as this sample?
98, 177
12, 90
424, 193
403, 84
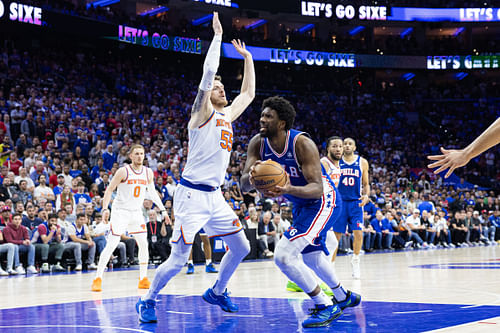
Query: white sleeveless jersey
132, 191
333, 171
209, 151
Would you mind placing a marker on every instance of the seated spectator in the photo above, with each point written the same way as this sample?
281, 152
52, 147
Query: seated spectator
39, 170
17, 234
459, 229
368, 233
43, 191
13, 163
159, 235
376, 224
60, 185
427, 220
488, 235
22, 194
30, 220
413, 222
130, 245
443, 234
5, 216
252, 220
280, 225
266, 233
475, 228
47, 240
79, 240
12, 256
408, 235
66, 197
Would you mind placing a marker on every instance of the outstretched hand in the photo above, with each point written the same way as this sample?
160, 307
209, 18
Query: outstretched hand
451, 159
241, 48
216, 24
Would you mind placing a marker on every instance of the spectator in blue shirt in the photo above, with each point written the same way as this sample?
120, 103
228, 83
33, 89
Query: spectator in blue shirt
376, 223
109, 157
81, 197
426, 205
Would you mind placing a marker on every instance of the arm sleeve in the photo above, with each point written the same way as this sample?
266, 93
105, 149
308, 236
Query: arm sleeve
155, 197
211, 64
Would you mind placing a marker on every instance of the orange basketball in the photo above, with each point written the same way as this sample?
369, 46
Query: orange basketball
267, 175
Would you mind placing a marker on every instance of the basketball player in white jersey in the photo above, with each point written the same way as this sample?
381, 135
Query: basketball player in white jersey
198, 200
132, 182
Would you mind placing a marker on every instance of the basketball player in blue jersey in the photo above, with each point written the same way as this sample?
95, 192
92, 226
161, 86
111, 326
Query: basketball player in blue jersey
316, 206
354, 187
198, 200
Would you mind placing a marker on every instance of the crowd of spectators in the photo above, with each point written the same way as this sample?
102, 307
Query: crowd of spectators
68, 117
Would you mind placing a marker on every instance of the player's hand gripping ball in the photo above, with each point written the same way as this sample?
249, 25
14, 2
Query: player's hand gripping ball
267, 175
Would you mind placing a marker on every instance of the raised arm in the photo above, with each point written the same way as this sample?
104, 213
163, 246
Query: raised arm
202, 107
247, 93
452, 159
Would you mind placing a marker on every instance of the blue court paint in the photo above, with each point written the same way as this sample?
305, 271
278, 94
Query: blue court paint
192, 314
466, 265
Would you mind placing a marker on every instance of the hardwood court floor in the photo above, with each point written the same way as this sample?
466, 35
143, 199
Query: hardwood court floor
455, 290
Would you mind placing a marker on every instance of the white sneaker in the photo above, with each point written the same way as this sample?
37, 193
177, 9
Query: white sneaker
356, 272
31, 270
20, 270
78, 267
12, 272
3, 273
92, 266
45, 268
452, 245
408, 244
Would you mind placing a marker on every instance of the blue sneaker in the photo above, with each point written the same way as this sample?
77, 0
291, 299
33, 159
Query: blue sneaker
351, 300
223, 300
210, 268
190, 269
146, 311
322, 316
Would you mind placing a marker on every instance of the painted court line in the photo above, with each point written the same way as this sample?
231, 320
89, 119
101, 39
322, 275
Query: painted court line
238, 315
76, 326
179, 312
405, 312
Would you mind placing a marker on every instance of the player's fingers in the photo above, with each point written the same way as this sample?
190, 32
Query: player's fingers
448, 174
244, 46
442, 168
435, 157
445, 151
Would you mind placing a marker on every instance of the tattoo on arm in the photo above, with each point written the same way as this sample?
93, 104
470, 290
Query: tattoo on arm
200, 101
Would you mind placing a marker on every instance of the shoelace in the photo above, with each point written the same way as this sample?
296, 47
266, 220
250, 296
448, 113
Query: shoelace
315, 311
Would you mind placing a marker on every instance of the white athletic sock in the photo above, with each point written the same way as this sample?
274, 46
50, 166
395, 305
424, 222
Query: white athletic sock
111, 244
355, 257
339, 293
322, 299
208, 261
190, 262
142, 242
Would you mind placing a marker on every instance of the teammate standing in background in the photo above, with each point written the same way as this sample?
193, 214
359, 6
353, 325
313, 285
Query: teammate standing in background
316, 207
354, 187
132, 181
198, 200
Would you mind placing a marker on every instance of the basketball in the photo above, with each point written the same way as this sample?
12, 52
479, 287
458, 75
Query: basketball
268, 174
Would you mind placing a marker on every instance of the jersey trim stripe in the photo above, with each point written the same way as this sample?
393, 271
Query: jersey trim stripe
229, 233
124, 180
137, 173
295, 156
206, 122
182, 236
284, 150
313, 224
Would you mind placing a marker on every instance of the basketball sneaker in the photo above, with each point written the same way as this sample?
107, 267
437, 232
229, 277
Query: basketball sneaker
144, 283
351, 300
96, 284
221, 300
146, 311
292, 286
45, 268
3, 273
322, 316
190, 269
210, 268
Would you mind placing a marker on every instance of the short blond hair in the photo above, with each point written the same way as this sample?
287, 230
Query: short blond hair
134, 147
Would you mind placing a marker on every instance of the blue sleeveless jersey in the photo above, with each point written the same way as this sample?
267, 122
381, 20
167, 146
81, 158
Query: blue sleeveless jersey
350, 179
288, 161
